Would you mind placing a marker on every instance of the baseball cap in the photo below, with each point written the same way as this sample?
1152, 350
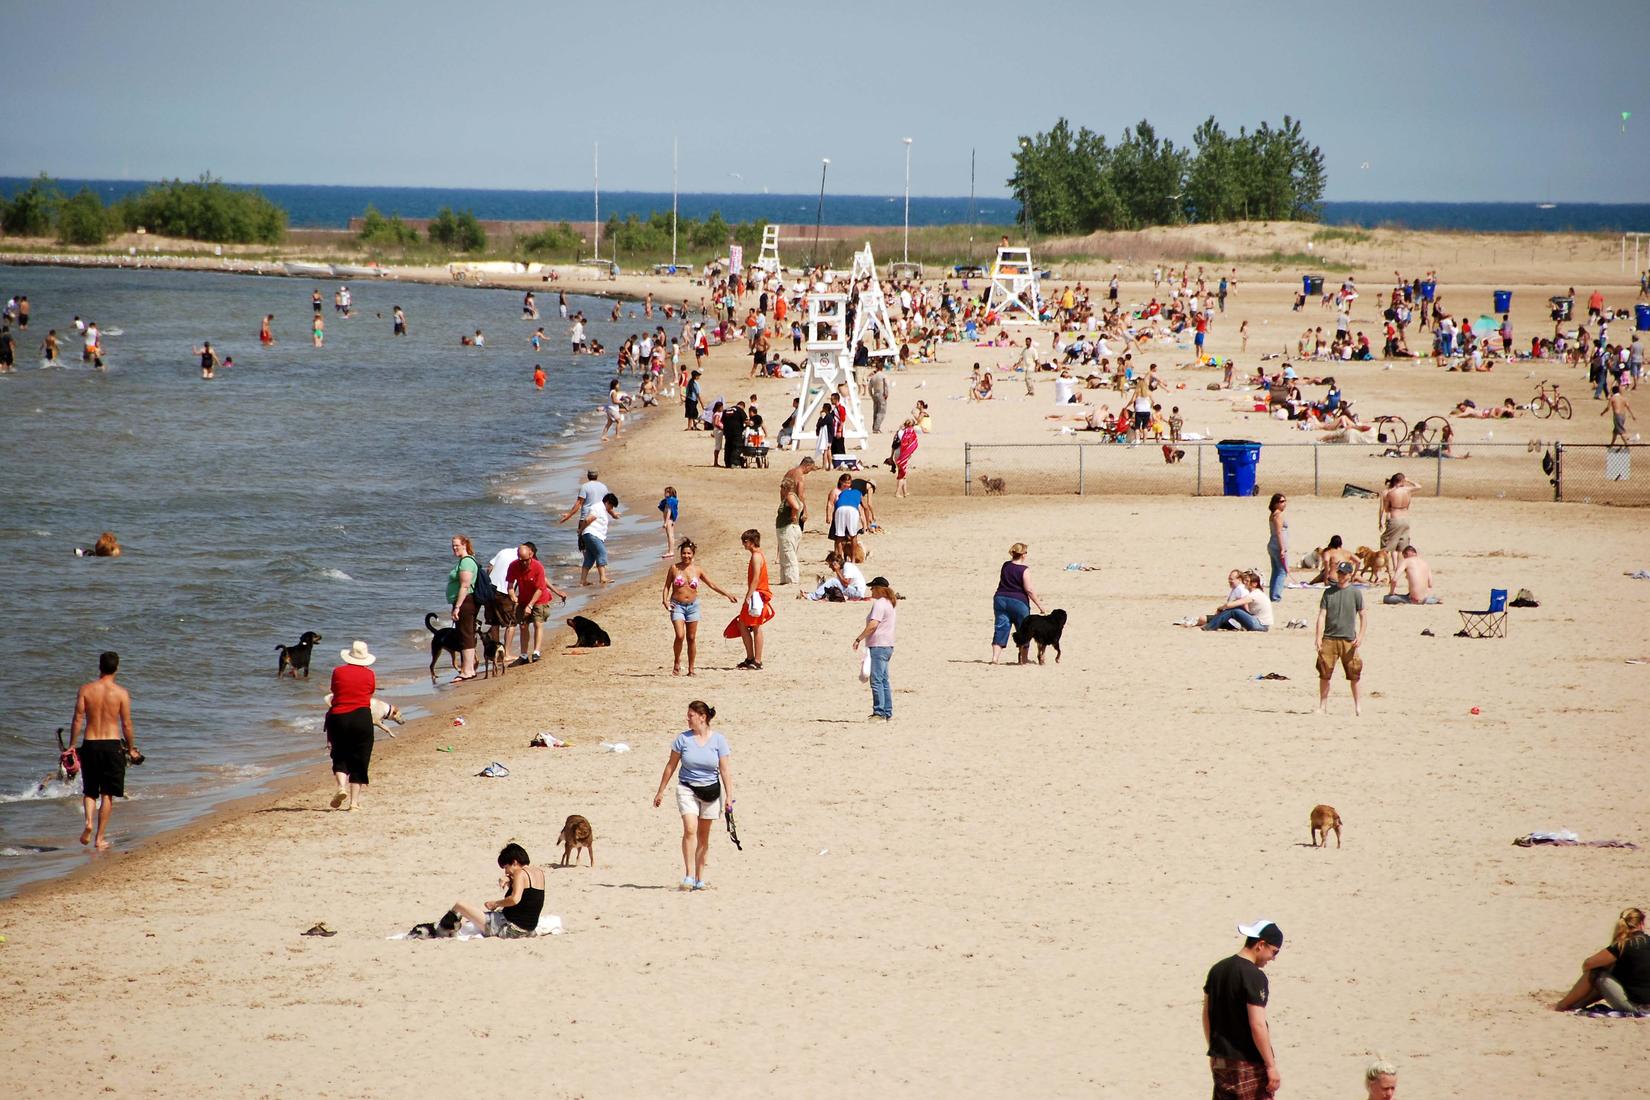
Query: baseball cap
1345, 567
879, 582
1263, 930
590, 473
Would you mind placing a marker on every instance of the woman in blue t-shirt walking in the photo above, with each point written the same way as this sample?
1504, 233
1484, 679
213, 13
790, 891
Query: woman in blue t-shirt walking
702, 754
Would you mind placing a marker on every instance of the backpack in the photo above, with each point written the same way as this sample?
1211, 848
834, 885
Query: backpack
485, 590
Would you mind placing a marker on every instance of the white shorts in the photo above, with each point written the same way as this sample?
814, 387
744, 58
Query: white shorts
845, 523
689, 804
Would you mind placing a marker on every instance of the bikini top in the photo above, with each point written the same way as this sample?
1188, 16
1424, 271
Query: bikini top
679, 580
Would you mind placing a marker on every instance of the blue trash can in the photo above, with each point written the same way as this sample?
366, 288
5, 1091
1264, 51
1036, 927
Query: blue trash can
1238, 459
1641, 317
1312, 285
1503, 301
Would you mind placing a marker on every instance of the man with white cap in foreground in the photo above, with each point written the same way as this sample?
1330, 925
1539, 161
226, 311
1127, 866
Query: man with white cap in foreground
1235, 994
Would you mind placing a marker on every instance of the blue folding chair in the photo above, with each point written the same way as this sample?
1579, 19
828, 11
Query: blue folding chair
1489, 623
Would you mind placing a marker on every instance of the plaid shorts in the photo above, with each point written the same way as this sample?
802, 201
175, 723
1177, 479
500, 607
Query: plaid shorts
1236, 1080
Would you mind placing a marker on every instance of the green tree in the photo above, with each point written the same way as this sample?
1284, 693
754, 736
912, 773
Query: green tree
206, 209
553, 241
460, 232
32, 211
1213, 192
83, 220
1150, 176
378, 231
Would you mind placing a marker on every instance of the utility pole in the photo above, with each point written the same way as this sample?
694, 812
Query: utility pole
907, 200
596, 168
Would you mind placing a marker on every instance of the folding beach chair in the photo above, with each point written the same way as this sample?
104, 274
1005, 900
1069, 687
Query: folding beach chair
1489, 623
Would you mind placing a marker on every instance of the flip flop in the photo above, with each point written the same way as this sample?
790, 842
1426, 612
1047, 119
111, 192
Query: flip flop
339, 798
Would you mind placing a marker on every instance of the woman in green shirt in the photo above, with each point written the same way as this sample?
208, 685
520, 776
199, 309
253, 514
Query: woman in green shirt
461, 583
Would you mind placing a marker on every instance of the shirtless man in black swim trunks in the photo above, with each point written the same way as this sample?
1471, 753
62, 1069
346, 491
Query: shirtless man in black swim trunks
105, 708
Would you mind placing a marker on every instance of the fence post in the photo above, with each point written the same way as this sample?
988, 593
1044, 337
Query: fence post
1199, 491
1438, 484
968, 458
1080, 450
1315, 490
1558, 471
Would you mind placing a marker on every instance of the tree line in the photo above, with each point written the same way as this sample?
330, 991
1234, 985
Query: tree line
206, 209
1071, 183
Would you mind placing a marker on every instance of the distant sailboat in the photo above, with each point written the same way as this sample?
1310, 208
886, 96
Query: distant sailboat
1546, 206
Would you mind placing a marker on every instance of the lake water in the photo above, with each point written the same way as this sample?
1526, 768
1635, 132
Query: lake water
303, 489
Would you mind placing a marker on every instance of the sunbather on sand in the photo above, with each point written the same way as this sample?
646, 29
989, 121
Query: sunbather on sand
1504, 411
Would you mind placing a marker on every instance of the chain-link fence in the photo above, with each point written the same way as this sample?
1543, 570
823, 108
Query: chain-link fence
1514, 471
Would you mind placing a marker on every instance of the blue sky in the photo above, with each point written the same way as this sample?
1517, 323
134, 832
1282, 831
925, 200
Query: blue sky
1453, 101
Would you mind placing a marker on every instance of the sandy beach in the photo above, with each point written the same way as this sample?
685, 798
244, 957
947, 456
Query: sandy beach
1017, 884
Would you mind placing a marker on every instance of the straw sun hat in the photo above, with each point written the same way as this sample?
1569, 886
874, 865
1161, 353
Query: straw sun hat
357, 653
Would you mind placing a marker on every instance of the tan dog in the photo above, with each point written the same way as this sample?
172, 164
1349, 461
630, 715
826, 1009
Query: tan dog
1370, 563
576, 834
994, 486
1324, 818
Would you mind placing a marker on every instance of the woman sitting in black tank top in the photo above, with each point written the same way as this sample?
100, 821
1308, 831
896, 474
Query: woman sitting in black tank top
517, 913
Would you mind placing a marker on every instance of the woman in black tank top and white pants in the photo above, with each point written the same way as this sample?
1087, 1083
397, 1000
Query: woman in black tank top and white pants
516, 914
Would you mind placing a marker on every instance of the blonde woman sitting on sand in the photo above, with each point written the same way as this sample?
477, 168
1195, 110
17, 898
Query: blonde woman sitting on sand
1619, 974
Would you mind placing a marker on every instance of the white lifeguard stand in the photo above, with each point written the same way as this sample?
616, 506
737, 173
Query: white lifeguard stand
870, 308
1014, 293
829, 365
768, 259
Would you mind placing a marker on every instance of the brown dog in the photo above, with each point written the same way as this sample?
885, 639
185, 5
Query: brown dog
576, 834
1324, 818
1370, 563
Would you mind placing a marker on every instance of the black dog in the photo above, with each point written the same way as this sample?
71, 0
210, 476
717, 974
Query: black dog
296, 657
1045, 630
445, 639
444, 929
589, 635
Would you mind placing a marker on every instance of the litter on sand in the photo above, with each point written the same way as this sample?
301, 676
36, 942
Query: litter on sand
1272, 676
1427, 633
319, 929
1566, 838
546, 741
459, 722
495, 770
1639, 574
1081, 567
615, 746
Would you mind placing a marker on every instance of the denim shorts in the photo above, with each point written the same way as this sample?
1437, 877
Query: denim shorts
684, 612
595, 551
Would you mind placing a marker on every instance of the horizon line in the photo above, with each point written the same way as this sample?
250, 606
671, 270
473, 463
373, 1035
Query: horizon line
1533, 201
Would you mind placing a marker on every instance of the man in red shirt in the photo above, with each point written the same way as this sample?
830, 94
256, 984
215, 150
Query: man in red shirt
532, 591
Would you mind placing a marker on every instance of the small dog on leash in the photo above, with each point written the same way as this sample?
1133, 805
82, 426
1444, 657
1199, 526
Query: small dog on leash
574, 835
994, 486
295, 658
1324, 818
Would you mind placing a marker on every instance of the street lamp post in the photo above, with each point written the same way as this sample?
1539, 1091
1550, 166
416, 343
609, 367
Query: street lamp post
819, 215
907, 200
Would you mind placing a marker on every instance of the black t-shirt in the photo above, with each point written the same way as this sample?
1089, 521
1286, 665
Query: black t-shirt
1233, 985
1632, 968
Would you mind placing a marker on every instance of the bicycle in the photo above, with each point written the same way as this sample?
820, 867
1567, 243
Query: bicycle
1545, 404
